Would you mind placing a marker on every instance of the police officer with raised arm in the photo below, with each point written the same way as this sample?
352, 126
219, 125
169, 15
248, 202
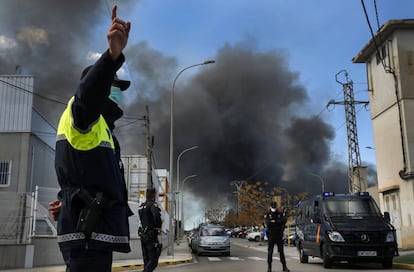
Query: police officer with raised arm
275, 222
150, 216
92, 206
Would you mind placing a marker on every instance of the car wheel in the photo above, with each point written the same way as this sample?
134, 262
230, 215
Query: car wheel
387, 263
327, 261
257, 238
198, 252
302, 256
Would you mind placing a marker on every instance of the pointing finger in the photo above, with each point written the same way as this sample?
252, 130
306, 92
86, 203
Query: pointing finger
113, 12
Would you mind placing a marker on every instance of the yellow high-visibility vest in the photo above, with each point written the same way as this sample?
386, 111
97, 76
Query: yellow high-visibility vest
97, 135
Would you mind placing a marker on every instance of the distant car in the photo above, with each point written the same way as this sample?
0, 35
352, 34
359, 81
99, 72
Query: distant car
211, 239
237, 233
190, 236
254, 235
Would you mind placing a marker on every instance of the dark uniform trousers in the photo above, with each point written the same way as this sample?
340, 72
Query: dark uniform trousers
150, 251
87, 260
271, 244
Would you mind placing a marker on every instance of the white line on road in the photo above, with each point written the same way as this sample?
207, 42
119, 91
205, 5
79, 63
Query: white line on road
256, 258
235, 259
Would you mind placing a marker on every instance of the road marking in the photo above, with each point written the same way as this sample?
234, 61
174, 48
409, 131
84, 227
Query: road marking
256, 258
217, 259
235, 259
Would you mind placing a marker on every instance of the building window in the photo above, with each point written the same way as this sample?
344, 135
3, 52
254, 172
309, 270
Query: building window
5, 173
394, 202
387, 203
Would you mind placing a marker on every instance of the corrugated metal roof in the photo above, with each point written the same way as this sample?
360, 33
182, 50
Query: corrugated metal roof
16, 101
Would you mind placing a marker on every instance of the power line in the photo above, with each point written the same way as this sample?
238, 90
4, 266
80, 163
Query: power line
134, 118
372, 33
33, 93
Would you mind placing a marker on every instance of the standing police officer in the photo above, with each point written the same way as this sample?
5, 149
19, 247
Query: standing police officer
150, 216
275, 222
92, 210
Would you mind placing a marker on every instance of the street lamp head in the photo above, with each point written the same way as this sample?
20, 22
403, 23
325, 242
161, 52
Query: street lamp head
209, 61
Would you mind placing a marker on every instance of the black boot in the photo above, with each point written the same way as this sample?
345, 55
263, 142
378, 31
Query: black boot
285, 268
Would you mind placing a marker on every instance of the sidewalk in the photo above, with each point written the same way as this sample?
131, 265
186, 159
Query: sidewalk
182, 254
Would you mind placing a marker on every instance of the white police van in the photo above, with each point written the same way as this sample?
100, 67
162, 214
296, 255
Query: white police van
344, 227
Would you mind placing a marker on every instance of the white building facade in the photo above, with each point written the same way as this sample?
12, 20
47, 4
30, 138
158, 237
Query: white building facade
389, 59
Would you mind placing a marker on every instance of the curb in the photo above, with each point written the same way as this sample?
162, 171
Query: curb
141, 266
403, 266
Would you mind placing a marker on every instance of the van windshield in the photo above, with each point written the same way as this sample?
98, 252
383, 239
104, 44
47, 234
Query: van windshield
362, 207
213, 231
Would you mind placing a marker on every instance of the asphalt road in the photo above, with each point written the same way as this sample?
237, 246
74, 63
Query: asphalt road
251, 256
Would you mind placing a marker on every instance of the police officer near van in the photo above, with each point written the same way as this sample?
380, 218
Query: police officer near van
275, 222
150, 216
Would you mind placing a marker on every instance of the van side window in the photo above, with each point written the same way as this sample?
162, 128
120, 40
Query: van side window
308, 212
316, 208
300, 213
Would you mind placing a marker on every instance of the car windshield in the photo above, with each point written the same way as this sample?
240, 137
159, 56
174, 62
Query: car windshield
362, 207
213, 231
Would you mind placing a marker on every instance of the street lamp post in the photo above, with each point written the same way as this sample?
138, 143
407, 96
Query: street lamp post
171, 232
182, 202
178, 185
321, 179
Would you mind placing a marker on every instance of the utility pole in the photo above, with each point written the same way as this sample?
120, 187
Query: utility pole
356, 180
149, 149
238, 184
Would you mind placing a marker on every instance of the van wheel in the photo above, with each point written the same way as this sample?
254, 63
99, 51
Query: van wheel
387, 263
327, 261
302, 256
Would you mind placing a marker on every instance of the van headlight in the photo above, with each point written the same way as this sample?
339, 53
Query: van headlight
335, 236
390, 237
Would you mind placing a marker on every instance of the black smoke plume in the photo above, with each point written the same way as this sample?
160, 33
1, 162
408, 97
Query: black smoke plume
248, 112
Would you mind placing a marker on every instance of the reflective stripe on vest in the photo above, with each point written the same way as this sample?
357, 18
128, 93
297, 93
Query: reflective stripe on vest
97, 135
94, 236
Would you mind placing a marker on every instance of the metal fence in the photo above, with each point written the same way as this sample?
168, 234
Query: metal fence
41, 224
14, 217
25, 215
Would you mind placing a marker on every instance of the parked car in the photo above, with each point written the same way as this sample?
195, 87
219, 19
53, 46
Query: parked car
211, 239
190, 236
239, 232
254, 235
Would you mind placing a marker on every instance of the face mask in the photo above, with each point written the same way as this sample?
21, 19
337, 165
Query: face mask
273, 209
116, 94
